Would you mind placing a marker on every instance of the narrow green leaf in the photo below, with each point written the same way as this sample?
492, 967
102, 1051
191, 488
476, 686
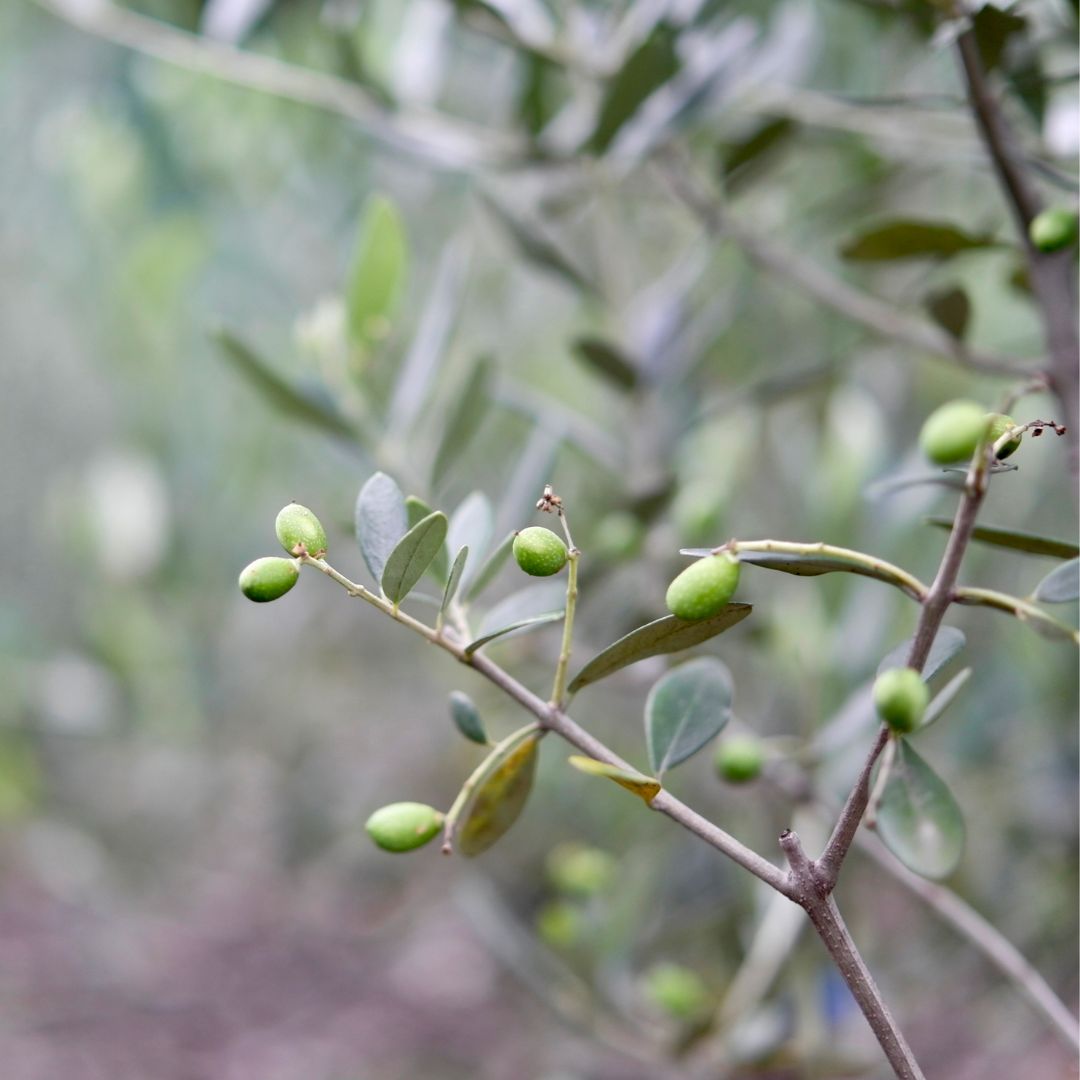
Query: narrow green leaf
289, 400
412, 555
666, 635
464, 417
495, 562
947, 644
645, 787
685, 709
454, 579
536, 246
377, 272
945, 697
381, 521
498, 801
1015, 541
534, 622
471, 526
466, 717
918, 819
416, 510
951, 310
607, 361
912, 240
1060, 585
648, 67
528, 609
1039, 621
993, 28
812, 565
738, 160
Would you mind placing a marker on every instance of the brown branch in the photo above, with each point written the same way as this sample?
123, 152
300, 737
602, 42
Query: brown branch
1053, 278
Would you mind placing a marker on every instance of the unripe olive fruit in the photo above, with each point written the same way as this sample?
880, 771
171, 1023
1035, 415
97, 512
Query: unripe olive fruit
579, 870
677, 990
559, 924
404, 826
539, 551
739, 759
999, 424
953, 432
268, 578
1053, 229
704, 587
901, 697
300, 531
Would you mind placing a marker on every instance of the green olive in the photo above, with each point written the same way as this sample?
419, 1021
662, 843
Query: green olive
901, 697
559, 924
953, 432
300, 531
539, 551
579, 870
704, 587
268, 578
999, 424
677, 990
739, 759
1053, 229
404, 826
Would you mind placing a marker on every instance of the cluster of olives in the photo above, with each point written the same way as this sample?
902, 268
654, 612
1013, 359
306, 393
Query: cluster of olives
299, 532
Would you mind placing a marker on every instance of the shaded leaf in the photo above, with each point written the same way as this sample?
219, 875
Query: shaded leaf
608, 361
377, 272
454, 579
495, 561
466, 717
1015, 541
645, 787
993, 29
471, 526
416, 510
685, 709
735, 158
527, 609
912, 240
534, 622
667, 635
498, 800
947, 644
918, 819
412, 555
381, 521
536, 246
945, 697
289, 400
464, 417
650, 65
1060, 585
951, 310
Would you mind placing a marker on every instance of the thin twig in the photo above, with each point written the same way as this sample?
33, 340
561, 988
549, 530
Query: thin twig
817, 282
1053, 277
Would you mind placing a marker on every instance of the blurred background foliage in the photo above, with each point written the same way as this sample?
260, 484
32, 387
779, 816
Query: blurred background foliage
474, 270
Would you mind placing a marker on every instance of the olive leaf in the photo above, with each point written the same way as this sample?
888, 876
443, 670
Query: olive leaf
290, 400
412, 555
381, 521
667, 635
948, 642
466, 717
918, 819
1061, 585
607, 361
527, 609
685, 709
464, 417
945, 697
454, 579
912, 240
645, 787
494, 563
1016, 541
471, 526
498, 799
415, 511
377, 273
